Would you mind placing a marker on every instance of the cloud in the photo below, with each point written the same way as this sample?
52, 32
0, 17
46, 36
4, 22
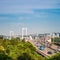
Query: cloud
26, 6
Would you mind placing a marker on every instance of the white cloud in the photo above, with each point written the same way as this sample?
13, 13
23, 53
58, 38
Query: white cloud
25, 6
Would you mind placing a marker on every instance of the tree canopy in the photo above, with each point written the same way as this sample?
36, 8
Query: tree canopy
17, 49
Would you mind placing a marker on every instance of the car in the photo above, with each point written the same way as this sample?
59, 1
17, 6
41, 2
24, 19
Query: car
49, 52
56, 51
42, 47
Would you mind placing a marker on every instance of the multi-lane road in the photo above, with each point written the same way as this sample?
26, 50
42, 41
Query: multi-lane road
49, 50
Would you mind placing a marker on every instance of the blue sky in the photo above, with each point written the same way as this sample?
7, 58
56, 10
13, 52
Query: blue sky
39, 16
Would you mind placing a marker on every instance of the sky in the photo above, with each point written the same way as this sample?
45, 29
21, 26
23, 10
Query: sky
39, 16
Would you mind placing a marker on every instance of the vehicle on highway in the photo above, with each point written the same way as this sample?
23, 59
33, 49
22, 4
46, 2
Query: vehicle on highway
49, 52
42, 47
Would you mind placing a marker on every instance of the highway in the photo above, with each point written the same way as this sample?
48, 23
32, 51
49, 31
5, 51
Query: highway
48, 48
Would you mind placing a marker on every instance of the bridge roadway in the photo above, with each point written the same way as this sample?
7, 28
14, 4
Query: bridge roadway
40, 51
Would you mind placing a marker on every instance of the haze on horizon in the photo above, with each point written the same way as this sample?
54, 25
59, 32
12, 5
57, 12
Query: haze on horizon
39, 16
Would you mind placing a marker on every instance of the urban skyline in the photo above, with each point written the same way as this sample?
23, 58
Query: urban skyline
39, 16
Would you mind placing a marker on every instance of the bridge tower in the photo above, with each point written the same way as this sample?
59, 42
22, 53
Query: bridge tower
24, 32
11, 34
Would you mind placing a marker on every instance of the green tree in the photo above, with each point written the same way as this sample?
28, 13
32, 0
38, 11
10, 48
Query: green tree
55, 57
56, 40
24, 56
3, 56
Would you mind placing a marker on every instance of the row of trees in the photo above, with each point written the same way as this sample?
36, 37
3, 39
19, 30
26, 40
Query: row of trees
17, 49
56, 40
